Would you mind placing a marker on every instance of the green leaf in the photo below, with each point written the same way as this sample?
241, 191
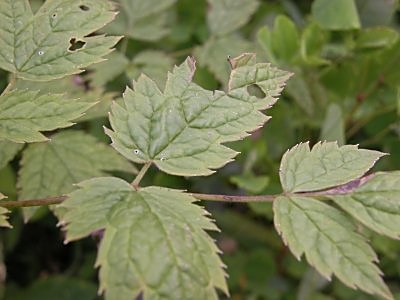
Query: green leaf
226, 16
285, 39
51, 169
214, 53
375, 203
7, 151
312, 40
329, 241
326, 165
336, 15
142, 20
23, 114
155, 64
75, 87
182, 128
377, 37
154, 236
38, 47
3, 215
333, 127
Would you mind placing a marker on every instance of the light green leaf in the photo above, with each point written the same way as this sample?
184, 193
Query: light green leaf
3, 215
24, 114
74, 87
285, 39
142, 20
376, 38
37, 47
226, 16
51, 169
375, 203
326, 165
329, 241
182, 128
214, 53
154, 236
7, 152
333, 127
155, 64
336, 15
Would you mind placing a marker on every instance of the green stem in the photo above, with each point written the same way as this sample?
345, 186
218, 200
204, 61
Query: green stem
10, 85
135, 183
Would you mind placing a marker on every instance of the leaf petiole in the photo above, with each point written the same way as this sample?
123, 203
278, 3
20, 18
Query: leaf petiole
139, 176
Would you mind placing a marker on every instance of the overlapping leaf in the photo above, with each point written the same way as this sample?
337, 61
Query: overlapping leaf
326, 165
7, 152
51, 169
41, 46
182, 128
227, 16
24, 114
155, 237
143, 20
328, 240
375, 203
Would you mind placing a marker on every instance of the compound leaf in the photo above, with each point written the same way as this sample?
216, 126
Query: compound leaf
54, 42
182, 128
227, 16
51, 169
329, 241
154, 236
326, 165
143, 20
3, 215
375, 203
23, 114
7, 152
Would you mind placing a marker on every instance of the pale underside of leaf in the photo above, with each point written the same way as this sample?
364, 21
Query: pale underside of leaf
51, 169
38, 47
182, 128
330, 244
375, 203
227, 16
325, 165
24, 114
155, 237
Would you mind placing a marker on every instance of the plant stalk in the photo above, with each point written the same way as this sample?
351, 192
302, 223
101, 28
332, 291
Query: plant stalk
135, 183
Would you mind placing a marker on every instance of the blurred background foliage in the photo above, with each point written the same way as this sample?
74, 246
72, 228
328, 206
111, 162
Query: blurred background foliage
346, 58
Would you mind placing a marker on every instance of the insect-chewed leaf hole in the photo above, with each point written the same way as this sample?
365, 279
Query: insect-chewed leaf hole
84, 7
75, 44
255, 90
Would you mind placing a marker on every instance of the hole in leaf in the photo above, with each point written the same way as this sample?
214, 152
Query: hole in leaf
254, 90
75, 44
84, 7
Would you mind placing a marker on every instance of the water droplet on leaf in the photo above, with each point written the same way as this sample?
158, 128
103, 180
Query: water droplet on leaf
40, 52
136, 151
